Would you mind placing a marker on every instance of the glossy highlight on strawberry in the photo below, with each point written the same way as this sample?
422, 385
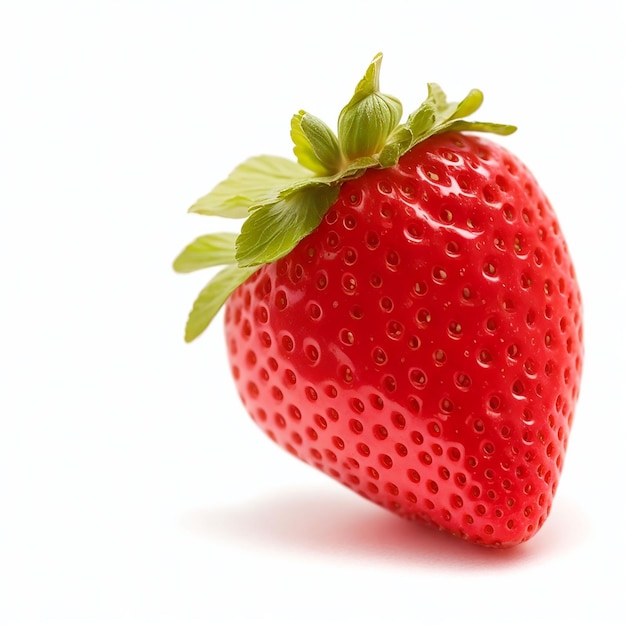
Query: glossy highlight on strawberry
422, 344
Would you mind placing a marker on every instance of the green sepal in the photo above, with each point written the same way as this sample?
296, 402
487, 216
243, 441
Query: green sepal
370, 117
284, 201
480, 127
207, 251
315, 145
421, 123
274, 229
451, 110
397, 144
437, 115
212, 298
255, 180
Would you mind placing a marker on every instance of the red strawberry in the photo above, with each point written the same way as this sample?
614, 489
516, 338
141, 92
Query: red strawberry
419, 339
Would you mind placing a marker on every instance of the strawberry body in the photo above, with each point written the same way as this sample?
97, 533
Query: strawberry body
423, 346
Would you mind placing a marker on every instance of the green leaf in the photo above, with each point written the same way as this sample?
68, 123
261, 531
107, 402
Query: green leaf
274, 229
255, 180
315, 145
212, 297
207, 251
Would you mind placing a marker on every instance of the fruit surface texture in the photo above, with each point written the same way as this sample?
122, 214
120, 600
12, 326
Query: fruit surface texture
421, 343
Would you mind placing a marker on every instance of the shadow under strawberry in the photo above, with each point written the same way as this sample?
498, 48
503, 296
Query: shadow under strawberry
326, 525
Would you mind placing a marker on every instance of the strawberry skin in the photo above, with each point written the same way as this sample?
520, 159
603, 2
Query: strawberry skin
423, 346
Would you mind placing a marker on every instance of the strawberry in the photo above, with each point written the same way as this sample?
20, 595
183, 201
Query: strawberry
402, 312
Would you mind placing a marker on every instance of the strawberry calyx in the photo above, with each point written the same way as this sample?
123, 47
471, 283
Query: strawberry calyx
282, 201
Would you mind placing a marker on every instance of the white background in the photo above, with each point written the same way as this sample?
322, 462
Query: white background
133, 486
